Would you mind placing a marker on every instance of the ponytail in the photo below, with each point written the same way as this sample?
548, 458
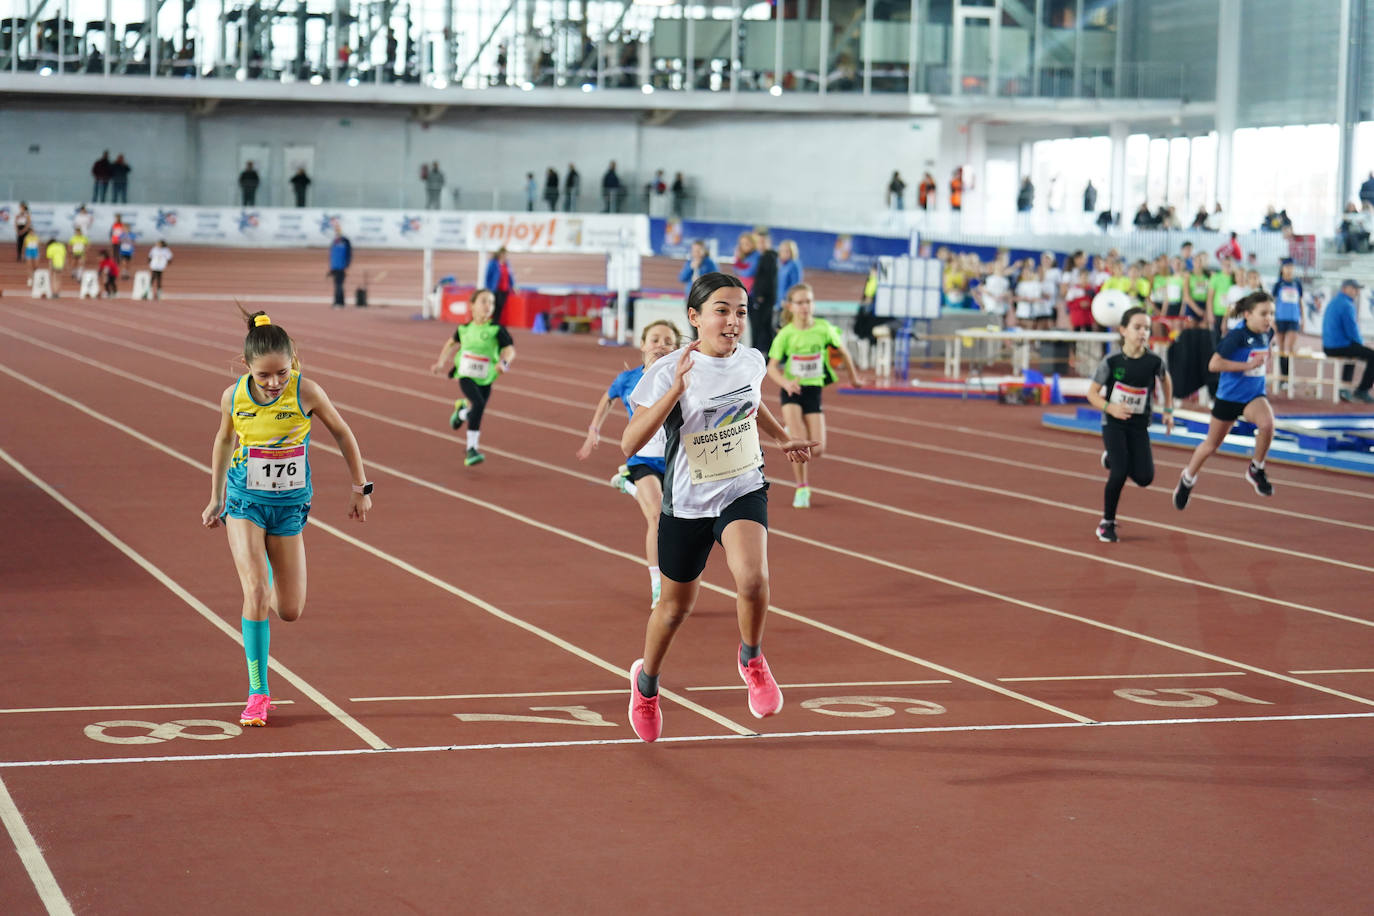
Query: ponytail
264, 337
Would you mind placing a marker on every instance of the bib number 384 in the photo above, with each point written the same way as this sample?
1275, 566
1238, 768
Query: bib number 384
276, 469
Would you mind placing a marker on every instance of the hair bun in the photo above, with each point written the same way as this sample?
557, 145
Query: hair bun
261, 320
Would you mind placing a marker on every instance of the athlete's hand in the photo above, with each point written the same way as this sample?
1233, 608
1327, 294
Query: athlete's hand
592, 440
358, 504
1168, 423
1257, 359
438, 368
798, 451
791, 386
1120, 411
210, 518
684, 364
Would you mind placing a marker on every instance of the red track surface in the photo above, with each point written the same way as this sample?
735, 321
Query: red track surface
948, 569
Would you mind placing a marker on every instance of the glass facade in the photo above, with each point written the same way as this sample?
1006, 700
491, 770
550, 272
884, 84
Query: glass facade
943, 47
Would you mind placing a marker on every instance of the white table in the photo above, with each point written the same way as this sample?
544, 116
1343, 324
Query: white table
1021, 340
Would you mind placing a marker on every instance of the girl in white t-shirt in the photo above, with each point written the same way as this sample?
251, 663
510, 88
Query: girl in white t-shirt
159, 256
1028, 293
707, 398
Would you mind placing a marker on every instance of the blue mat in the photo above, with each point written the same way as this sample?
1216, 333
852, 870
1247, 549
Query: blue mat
1351, 456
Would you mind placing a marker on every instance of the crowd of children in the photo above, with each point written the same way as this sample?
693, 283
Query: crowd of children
58, 257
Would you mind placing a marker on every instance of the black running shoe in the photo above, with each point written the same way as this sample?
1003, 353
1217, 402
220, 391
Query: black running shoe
1259, 480
1106, 531
1181, 494
1105, 463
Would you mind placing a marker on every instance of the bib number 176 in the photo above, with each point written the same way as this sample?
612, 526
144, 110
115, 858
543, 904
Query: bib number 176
276, 469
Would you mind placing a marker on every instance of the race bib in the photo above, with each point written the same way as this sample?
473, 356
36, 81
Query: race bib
724, 452
1133, 399
276, 469
471, 365
1288, 294
1258, 371
807, 367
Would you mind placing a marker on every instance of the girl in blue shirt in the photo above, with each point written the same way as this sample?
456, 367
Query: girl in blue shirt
1240, 358
1287, 313
642, 475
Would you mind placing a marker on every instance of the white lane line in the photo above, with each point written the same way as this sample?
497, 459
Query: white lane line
1111, 628
873, 504
1336, 671
494, 696
687, 739
1004, 492
1129, 677
862, 556
841, 684
834, 631
1075, 475
32, 857
143, 706
341, 535
525, 625
175, 588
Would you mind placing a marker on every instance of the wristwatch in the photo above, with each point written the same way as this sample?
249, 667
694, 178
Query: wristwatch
364, 489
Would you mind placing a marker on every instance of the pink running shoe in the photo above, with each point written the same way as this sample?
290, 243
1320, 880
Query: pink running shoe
765, 699
645, 717
255, 713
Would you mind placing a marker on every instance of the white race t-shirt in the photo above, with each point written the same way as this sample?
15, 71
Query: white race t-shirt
81, 222
722, 400
158, 258
995, 289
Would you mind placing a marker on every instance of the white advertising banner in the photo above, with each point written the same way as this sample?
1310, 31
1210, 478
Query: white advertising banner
276, 227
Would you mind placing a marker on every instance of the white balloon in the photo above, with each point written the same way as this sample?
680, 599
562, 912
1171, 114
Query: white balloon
1109, 305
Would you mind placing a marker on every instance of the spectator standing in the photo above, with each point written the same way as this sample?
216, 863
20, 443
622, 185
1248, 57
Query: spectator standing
1341, 337
572, 187
1200, 219
1025, 197
1090, 198
101, 173
925, 193
789, 268
1367, 190
896, 189
340, 257
248, 184
679, 191
531, 192
1143, 219
763, 298
699, 262
610, 190
655, 193
81, 220
23, 222
159, 256
500, 280
551, 188
299, 183
119, 180
1231, 249
956, 189
434, 185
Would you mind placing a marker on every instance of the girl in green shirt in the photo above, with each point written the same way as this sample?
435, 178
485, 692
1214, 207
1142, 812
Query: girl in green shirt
799, 361
479, 352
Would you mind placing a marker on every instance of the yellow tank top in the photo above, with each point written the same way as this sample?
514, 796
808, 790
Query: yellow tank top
270, 462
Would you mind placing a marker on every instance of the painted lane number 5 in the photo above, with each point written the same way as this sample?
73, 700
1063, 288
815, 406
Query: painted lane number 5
1191, 697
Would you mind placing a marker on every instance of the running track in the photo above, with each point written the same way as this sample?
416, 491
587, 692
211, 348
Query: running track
987, 710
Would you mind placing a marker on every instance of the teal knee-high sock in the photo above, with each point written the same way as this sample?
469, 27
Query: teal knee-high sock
256, 638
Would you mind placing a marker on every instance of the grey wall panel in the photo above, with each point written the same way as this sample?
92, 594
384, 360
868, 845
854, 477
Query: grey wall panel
1288, 63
